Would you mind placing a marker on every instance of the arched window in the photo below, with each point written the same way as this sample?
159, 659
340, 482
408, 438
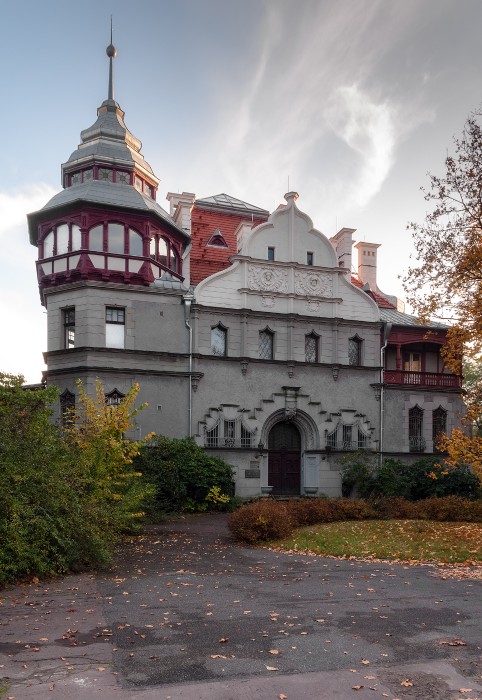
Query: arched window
67, 406
355, 351
62, 239
135, 243
266, 345
117, 238
312, 342
114, 397
415, 430
439, 424
219, 336
96, 238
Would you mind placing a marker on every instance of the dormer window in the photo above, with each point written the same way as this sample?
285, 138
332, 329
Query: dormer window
217, 240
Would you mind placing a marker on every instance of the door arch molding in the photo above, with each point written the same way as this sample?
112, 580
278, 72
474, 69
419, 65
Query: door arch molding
310, 436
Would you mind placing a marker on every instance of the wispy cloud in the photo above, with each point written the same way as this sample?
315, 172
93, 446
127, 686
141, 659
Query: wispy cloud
15, 205
369, 130
307, 92
22, 316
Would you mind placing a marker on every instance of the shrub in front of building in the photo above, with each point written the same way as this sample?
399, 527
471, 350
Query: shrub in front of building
184, 476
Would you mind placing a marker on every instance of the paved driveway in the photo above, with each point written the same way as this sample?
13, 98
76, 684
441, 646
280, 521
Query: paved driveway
188, 614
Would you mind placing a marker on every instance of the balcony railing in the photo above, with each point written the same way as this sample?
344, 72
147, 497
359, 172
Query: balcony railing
347, 445
395, 376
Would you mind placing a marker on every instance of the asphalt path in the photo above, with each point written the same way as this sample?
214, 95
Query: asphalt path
187, 614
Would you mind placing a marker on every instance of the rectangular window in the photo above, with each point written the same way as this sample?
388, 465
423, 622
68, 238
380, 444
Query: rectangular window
229, 433
311, 348
354, 351
69, 328
114, 327
270, 253
415, 430
309, 258
412, 362
265, 347
218, 341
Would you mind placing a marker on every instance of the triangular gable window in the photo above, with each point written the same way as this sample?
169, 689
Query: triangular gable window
217, 239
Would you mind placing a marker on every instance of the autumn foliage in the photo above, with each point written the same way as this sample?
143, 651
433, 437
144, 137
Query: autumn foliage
65, 496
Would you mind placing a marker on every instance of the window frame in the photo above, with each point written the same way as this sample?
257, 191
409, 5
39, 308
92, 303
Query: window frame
111, 322
68, 325
220, 329
316, 338
359, 351
53, 230
271, 253
416, 440
268, 333
126, 242
439, 424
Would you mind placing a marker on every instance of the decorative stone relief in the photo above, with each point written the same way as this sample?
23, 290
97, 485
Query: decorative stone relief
269, 302
313, 305
267, 279
316, 284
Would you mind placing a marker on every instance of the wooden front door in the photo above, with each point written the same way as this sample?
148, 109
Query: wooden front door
284, 459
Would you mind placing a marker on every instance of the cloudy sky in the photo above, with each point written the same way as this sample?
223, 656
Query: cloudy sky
350, 102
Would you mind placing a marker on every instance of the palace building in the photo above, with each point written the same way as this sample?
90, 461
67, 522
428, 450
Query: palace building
245, 329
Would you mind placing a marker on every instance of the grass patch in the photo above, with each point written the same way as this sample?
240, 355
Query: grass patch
402, 540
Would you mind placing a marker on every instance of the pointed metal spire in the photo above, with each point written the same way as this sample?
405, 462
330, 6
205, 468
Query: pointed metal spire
112, 53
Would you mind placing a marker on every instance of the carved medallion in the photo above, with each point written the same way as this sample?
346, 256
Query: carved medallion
316, 284
269, 279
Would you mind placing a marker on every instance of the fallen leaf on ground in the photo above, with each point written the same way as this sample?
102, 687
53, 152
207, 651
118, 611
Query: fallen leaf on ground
282, 696
274, 651
357, 687
365, 662
272, 668
223, 640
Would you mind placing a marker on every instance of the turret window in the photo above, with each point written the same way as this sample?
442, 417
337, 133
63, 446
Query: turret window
115, 238
62, 239
163, 251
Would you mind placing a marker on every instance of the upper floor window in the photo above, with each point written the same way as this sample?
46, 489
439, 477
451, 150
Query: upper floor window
163, 251
270, 253
311, 347
219, 336
217, 240
69, 327
412, 362
439, 424
415, 430
115, 238
355, 351
266, 345
114, 327
61, 239
309, 258
114, 397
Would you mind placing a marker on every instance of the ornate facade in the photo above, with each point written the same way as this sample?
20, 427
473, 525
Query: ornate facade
244, 329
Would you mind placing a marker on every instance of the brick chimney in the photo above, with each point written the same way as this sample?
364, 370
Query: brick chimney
343, 242
367, 264
180, 208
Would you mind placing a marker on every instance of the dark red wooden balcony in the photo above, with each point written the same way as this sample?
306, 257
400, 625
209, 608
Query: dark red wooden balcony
429, 379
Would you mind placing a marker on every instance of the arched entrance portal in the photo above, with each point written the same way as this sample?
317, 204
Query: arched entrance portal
284, 459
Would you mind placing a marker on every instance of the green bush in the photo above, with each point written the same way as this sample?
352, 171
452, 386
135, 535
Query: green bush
183, 475
425, 478
261, 520
62, 505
